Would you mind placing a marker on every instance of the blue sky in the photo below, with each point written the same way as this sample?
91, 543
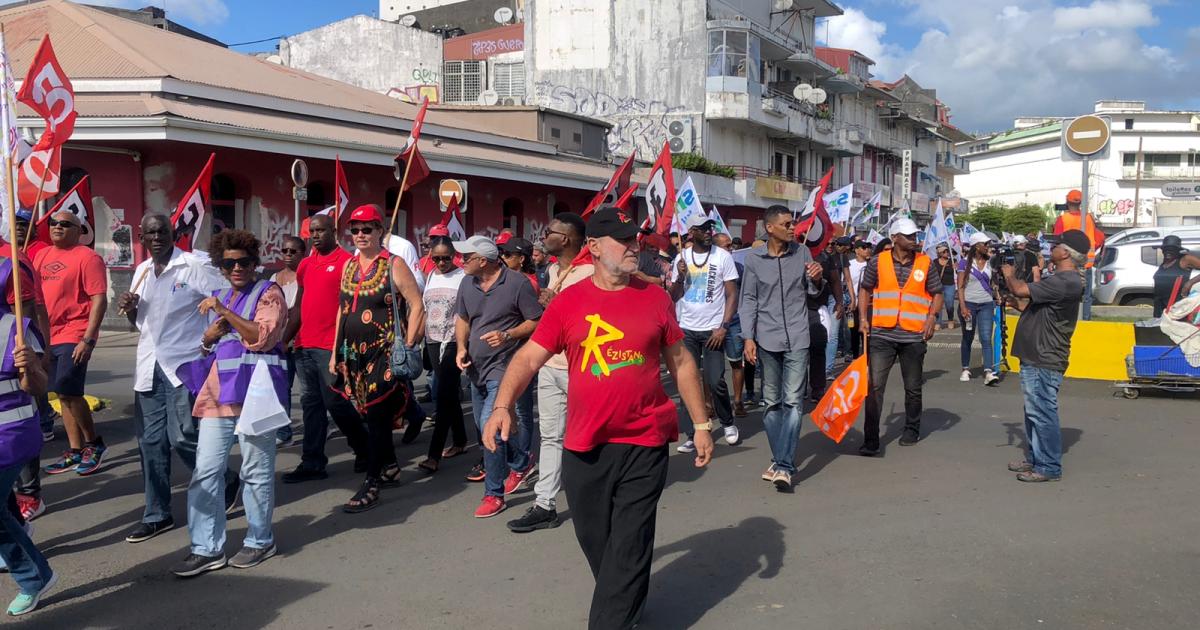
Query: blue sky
989, 60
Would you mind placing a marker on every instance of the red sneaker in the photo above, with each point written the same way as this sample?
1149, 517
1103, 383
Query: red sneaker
489, 507
516, 480
31, 507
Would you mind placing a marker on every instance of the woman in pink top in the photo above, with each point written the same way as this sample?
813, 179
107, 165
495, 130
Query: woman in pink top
247, 331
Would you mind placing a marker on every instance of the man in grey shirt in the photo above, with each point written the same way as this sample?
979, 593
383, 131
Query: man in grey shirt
774, 318
497, 311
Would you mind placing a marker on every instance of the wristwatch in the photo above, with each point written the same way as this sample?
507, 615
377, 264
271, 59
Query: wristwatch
505, 336
706, 426
91, 341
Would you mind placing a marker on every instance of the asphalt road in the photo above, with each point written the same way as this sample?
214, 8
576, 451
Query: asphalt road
938, 535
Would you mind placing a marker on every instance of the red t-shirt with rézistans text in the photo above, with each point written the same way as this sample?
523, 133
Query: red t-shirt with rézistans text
69, 278
319, 277
614, 342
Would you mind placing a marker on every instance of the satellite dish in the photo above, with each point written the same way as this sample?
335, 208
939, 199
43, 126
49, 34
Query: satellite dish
489, 97
817, 97
802, 91
503, 15
408, 20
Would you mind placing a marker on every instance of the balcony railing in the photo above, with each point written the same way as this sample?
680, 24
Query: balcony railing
748, 172
946, 159
1180, 173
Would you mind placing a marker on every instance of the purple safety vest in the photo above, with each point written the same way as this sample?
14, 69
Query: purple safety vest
20, 435
234, 363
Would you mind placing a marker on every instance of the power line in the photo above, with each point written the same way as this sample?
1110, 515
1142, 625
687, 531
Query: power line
257, 41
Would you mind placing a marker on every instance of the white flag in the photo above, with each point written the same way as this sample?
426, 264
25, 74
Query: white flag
870, 210
8, 126
719, 223
837, 203
456, 229
873, 237
936, 233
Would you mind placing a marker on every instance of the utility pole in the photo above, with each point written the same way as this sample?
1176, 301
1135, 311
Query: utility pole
1137, 185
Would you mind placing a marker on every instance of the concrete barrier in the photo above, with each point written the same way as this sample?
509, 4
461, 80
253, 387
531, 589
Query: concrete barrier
1098, 350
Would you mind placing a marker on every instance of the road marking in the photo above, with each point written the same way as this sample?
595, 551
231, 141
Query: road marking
1082, 135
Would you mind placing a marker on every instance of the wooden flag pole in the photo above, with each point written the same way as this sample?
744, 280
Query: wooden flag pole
33, 223
11, 217
137, 285
400, 195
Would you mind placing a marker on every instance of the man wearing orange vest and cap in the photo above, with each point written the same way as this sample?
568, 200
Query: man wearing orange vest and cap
902, 299
1072, 220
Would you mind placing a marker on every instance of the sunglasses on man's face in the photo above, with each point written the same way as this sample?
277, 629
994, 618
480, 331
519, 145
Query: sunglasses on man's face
290, 250
61, 224
441, 259
245, 262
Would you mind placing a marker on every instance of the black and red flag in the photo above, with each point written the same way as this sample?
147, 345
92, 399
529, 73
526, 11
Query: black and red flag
193, 207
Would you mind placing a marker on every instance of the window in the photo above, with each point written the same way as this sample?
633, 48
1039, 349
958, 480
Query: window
1151, 255
508, 80
1193, 159
1129, 123
785, 165
462, 81
1151, 160
224, 191
555, 132
577, 138
733, 54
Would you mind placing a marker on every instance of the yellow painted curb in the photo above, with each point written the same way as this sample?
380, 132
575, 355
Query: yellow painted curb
95, 404
1098, 350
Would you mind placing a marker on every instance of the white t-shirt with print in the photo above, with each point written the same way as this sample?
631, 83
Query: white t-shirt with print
702, 306
441, 294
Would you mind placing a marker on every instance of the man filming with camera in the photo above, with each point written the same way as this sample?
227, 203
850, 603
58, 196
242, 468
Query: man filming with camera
1043, 344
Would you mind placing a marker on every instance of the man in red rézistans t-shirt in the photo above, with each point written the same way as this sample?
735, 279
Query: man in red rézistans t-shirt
311, 327
74, 285
615, 330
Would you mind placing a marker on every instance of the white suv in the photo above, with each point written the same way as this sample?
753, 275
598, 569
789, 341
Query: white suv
1126, 264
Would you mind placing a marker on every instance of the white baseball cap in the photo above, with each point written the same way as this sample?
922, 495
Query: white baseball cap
1019, 239
903, 226
977, 238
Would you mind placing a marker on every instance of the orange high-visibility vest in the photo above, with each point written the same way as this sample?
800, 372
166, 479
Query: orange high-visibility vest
1071, 221
908, 306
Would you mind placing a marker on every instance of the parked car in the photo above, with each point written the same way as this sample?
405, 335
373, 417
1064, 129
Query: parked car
1126, 265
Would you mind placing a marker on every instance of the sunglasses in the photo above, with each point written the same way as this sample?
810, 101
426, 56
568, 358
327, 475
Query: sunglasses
61, 224
438, 259
362, 230
290, 250
244, 262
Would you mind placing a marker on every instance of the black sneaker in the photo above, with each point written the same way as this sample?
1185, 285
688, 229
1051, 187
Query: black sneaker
194, 565
535, 518
478, 473
251, 557
231, 495
868, 451
908, 439
146, 531
302, 474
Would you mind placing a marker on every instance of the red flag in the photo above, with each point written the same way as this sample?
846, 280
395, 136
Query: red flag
814, 226
618, 181
38, 176
78, 201
193, 207
838, 409
341, 191
452, 220
626, 199
416, 166
660, 191
48, 91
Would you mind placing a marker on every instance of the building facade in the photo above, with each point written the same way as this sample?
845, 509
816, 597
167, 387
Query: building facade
1026, 165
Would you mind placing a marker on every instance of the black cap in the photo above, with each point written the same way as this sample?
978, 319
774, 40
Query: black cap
1075, 239
609, 221
861, 243
1172, 242
844, 241
517, 246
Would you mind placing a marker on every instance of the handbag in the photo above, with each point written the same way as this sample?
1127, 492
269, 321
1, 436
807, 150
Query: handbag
406, 362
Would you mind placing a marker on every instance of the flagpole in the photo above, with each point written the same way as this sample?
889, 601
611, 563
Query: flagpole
11, 217
400, 195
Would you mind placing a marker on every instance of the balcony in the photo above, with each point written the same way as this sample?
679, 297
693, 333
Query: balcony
849, 141
842, 83
1162, 173
947, 161
777, 113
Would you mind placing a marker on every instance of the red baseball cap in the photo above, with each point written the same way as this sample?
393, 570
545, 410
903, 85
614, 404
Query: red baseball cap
439, 230
366, 214
504, 237
1074, 197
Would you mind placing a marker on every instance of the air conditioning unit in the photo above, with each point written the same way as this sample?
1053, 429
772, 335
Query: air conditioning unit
679, 135
852, 136
510, 101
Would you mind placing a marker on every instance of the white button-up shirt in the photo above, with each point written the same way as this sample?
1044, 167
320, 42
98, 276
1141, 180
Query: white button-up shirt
402, 247
167, 316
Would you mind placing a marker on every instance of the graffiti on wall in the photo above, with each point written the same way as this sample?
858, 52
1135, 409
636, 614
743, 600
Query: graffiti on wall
1120, 211
482, 48
416, 93
276, 226
638, 124
535, 230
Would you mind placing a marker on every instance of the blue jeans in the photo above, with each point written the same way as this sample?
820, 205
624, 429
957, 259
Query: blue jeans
513, 454
832, 334
783, 373
206, 492
950, 293
27, 565
163, 421
735, 346
981, 313
1040, 388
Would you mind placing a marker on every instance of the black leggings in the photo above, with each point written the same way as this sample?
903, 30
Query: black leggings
381, 451
449, 417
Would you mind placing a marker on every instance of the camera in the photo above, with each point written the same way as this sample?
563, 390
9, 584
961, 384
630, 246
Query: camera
1003, 255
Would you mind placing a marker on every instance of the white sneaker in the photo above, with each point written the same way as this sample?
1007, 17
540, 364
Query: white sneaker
731, 435
687, 447
990, 377
966, 376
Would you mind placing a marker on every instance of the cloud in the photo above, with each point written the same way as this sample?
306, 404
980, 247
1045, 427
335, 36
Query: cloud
196, 12
994, 60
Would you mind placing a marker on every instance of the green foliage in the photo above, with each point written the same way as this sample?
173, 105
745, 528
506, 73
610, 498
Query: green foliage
1024, 218
989, 214
699, 164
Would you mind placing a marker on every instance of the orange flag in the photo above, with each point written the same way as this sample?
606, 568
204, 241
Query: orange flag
836, 412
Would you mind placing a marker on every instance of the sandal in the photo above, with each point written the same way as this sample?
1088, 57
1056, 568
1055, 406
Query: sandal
390, 476
366, 498
429, 466
453, 451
